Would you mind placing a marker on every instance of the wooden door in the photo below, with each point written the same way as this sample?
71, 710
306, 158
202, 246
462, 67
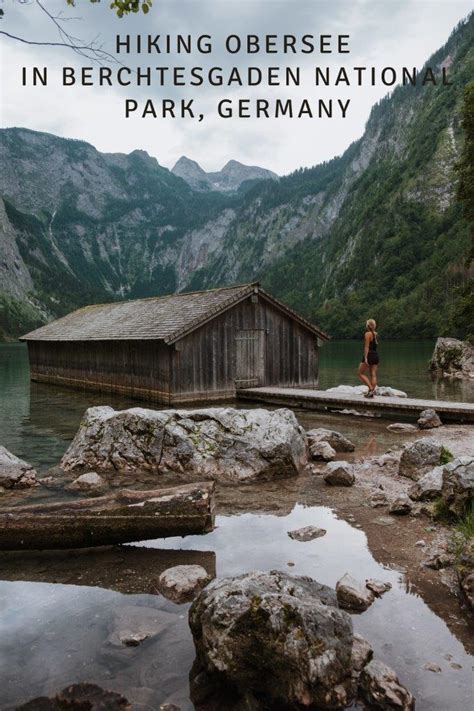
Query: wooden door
249, 358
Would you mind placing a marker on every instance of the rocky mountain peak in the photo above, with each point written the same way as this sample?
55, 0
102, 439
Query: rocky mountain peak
229, 179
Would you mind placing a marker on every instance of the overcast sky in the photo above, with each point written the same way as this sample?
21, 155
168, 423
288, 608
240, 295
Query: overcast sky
382, 33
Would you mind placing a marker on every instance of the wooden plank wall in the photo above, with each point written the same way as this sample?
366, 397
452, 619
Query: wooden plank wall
203, 365
137, 368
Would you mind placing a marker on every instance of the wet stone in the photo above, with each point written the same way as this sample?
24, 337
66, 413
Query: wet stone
182, 582
378, 587
89, 483
401, 427
362, 653
353, 595
336, 440
429, 419
308, 533
432, 667
381, 689
322, 451
14, 472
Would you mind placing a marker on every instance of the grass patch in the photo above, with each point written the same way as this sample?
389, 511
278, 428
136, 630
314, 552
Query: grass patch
465, 525
446, 456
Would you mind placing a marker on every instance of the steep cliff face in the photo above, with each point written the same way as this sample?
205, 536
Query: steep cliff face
375, 232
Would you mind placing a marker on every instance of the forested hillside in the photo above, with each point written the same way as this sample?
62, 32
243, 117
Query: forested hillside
376, 232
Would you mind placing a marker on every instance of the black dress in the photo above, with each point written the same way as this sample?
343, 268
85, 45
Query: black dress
372, 355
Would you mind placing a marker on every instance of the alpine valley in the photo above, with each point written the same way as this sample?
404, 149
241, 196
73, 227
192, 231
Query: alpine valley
375, 232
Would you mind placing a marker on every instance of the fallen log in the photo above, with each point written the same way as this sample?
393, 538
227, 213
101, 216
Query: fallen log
121, 517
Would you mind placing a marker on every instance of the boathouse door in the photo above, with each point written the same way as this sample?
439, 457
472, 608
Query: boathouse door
249, 358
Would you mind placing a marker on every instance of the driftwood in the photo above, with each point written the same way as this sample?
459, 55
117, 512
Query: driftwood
122, 517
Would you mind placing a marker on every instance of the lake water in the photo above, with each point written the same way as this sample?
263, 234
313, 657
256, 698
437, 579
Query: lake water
59, 613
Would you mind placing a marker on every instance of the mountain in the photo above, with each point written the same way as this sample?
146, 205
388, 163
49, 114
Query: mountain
229, 179
376, 232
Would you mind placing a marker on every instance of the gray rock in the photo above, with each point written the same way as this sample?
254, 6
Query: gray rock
362, 653
276, 635
428, 487
225, 444
182, 582
337, 440
377, 499
339, 474
458, 485
14, 472
452, 357
133, 624
308, 533
353, 595
428, 420
401, 505
418, 457
402, 427
322, 451
438, 557
381, 390
381, 689
90, 483
378, 587
432, 667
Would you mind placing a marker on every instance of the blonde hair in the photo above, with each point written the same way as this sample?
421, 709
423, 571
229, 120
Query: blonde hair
371, 324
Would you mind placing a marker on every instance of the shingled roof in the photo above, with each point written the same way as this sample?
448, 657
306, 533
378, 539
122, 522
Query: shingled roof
166, 318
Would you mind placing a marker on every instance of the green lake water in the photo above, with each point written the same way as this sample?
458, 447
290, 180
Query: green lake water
37, 421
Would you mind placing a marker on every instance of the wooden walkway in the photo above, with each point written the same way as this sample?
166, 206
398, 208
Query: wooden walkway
388, 406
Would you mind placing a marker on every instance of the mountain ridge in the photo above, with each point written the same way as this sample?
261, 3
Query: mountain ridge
228, 179
376, 231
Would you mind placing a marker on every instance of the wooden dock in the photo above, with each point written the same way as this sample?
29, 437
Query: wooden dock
408, 408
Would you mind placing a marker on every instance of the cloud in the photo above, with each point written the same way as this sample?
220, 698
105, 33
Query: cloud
388, 33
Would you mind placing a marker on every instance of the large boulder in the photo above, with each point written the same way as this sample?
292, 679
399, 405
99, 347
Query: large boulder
381, 689
453, 358
458, 485
275, 635
420, 456
428, 487
335, 439
224, 444
14, 472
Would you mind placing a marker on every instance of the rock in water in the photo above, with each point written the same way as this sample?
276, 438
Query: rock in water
225, 444
453, 358
89, 483
381, 689
353, 595
378, 587
428, 420
335, 439
402, 427
182, 582
419, 456
362, 653
79, 697
322, 451
400, 505
308, 533
279, 636
14, 472
458, 485
339, 474
428, 487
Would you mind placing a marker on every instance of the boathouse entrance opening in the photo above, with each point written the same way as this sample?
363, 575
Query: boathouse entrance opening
249, 358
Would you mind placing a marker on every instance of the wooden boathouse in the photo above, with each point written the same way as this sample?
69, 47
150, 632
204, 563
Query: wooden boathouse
189, 347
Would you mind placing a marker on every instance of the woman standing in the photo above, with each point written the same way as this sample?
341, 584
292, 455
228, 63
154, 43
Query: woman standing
370, 359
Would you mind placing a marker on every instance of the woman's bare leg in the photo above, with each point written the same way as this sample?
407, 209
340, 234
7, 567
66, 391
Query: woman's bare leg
373, 376
361, 373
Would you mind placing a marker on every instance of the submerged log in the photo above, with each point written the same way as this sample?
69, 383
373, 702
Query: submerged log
122, 517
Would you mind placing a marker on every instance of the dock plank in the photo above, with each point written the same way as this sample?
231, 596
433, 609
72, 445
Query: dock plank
323, 400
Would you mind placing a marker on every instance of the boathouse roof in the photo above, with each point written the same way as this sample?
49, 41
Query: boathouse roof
166, 318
